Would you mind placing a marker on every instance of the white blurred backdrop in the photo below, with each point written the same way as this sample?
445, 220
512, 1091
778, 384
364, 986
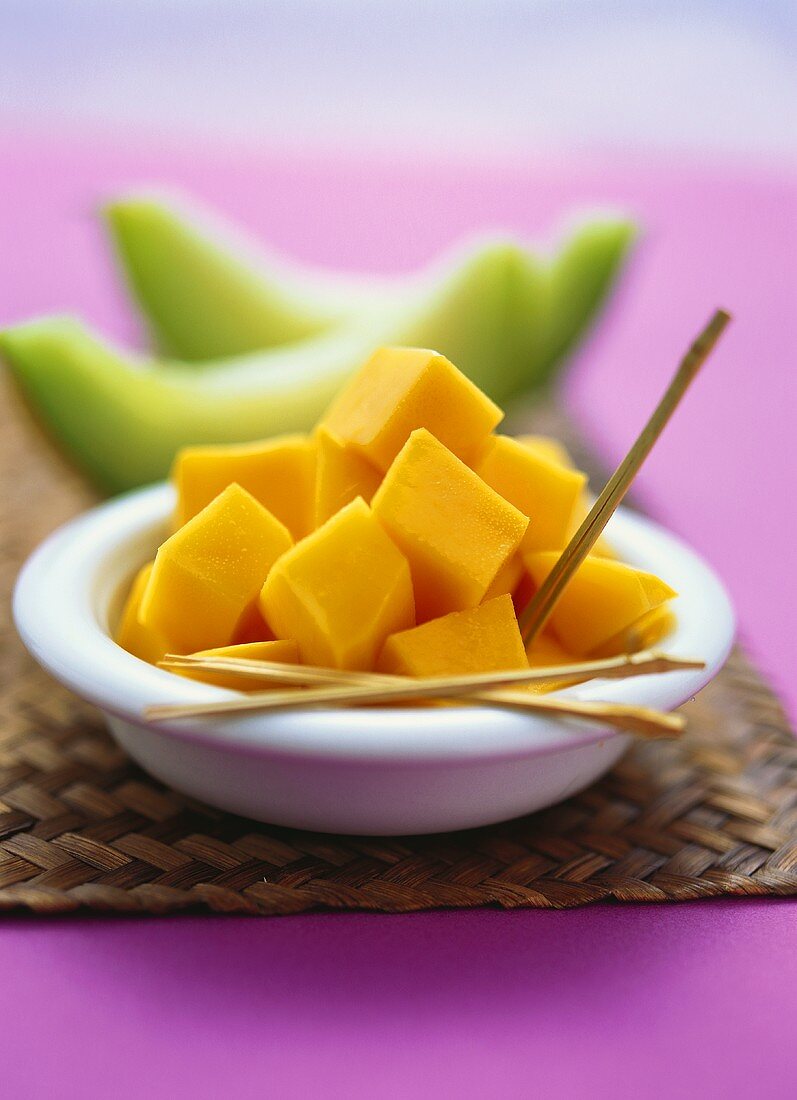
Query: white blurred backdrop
449, 77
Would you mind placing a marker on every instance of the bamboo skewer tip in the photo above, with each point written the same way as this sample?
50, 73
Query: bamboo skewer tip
539, 608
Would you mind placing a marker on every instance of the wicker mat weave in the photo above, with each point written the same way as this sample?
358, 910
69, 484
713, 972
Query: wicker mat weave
82, 827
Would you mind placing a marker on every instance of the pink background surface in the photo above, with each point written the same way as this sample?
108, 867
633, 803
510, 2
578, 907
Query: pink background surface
696, 999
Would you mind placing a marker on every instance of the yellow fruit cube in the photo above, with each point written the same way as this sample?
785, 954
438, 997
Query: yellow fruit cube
545, 446
342, 476
645, 633
401, 389
340, 592
207, 575
455, 531
651, 629
143, 642
282, 652
506, 579
252, 627
602, 599
545, 652
544, 490
480, 639
279, 473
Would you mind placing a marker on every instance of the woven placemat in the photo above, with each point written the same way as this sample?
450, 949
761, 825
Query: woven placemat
82, 827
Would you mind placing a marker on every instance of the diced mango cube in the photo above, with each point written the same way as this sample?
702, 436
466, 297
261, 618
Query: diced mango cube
279, 473
207, 575
645, 633
651, 629
282, 652
480, 639
252, 627
545, 446
343, 474
602, 599
524, 590
143, 642
341, 591
455, 531
401, 389
546, 652
506, 579
544, 490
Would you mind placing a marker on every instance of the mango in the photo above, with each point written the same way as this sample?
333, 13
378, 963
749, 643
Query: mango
147, 644
401, 389
455, 531
645, 633
282, 652
252, 627
602, 599
523, 590
507, 578
342, 475
208, 574
545, 446
479, 639
547, 492
340, 592
279, 473
546, 652
651, 629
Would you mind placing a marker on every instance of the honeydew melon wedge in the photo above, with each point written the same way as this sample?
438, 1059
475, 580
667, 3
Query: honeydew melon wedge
207, 292
204, 291
495, 310
122, 419
581, 273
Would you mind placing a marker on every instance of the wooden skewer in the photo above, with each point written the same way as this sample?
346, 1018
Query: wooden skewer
274, 671
640, 721
643, 663
370, 689
347, 693
535, 615
636, 720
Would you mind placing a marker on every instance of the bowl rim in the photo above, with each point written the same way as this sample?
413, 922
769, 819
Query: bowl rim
65, 591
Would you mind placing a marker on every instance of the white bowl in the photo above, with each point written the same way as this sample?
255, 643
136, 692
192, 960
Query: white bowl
378, 771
